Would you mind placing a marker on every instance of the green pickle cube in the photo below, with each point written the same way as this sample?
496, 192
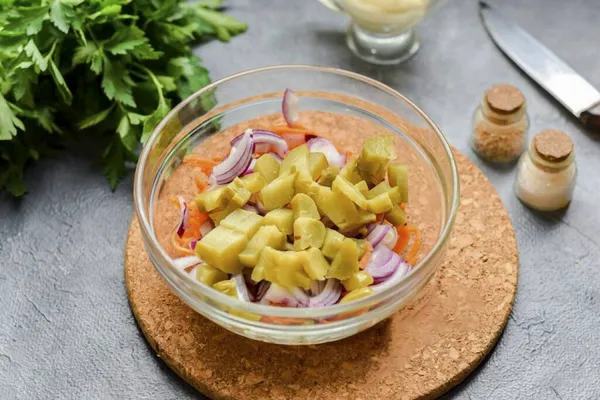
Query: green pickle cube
396, 216
305, 184
239, 193
282, 267
209, 275
345, 263
357, 294
362, 187
308, 232
282, 218
317, 162
212, 199
254, 182
219, 215
279, 192
350, 171
338, 208
331, 244
376, 153
295, 160
221, 248
358, 280
328, 175
304, 206
398, 177
227, 287
314, 263
266, 236
268, 167
343, 187
385, 187
243, 221
380, 203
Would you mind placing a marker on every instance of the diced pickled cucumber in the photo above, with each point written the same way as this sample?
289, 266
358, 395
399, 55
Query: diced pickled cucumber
279, 192
227, 287
267, 166
282, 218
362, 246
314, 263
221, 248
304, 206
209, 275
258, 273
265, 236
328, 175
380, 203
317, 162
212, 199
305, 184
396, 216
376, 153
295, 160
358, 280
398, 177
362, 187
254, 182
350, 171
331, 244
343, 187
357, 294
345, 263
239, 194
283, 267
219, 215
338, 208
308, 232
243, 221
384, 187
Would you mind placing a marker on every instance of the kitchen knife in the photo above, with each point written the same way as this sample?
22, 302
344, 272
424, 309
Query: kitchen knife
550, 72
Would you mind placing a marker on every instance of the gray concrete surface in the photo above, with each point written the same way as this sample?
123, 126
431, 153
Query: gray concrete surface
66, 330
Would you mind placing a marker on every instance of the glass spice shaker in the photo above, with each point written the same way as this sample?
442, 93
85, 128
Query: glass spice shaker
500, 124
547, 172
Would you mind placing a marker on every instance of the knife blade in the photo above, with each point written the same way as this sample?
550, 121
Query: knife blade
575, 93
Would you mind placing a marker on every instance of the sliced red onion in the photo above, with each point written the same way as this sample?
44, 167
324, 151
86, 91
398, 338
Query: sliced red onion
237, 161
261, 208
391, 238
321, 145
401, 271
279, 295
206, 227
377, 234
184, 219
250, 207
184, 262
250, 168
383, 271
270, 139
193, 243
330, 294
261, 289
316, 287
379, 259
242, 289
300, 296
289, 107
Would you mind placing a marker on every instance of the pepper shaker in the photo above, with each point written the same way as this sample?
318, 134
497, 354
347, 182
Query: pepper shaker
547, 172
500, 124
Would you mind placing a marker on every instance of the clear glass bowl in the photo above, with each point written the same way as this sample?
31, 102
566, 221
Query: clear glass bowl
382, 31
336, 95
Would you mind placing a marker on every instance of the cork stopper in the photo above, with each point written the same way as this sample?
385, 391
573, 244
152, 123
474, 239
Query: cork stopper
553, 145
504, 99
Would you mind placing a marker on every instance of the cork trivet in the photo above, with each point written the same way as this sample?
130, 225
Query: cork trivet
504, 99
420, 352
552, 145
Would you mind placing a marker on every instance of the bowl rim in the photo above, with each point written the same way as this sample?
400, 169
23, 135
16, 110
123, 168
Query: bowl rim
286, 312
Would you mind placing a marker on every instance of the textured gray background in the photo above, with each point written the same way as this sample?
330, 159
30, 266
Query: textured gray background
66, 329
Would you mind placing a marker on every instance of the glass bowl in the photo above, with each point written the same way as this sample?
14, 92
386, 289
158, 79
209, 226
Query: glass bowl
335, 99
383, 31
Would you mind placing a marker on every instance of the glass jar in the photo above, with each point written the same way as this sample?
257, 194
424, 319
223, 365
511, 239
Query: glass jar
500, 125
547, 172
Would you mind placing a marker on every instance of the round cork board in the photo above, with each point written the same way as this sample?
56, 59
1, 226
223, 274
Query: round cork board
420, 352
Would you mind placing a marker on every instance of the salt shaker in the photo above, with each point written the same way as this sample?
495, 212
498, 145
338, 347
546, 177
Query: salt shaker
500, 124
547, 172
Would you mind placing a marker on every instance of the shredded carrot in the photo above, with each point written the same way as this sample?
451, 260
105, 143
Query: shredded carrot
379, 218
179, 245
364, 261
282, 321
205, 164
294, 140
349, 155
218, 158
201, 184
403, 240
282, 129
403, 206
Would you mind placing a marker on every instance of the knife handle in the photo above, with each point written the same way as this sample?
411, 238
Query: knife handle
591, 117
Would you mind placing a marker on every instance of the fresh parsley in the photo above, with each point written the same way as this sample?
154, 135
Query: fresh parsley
103, 69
